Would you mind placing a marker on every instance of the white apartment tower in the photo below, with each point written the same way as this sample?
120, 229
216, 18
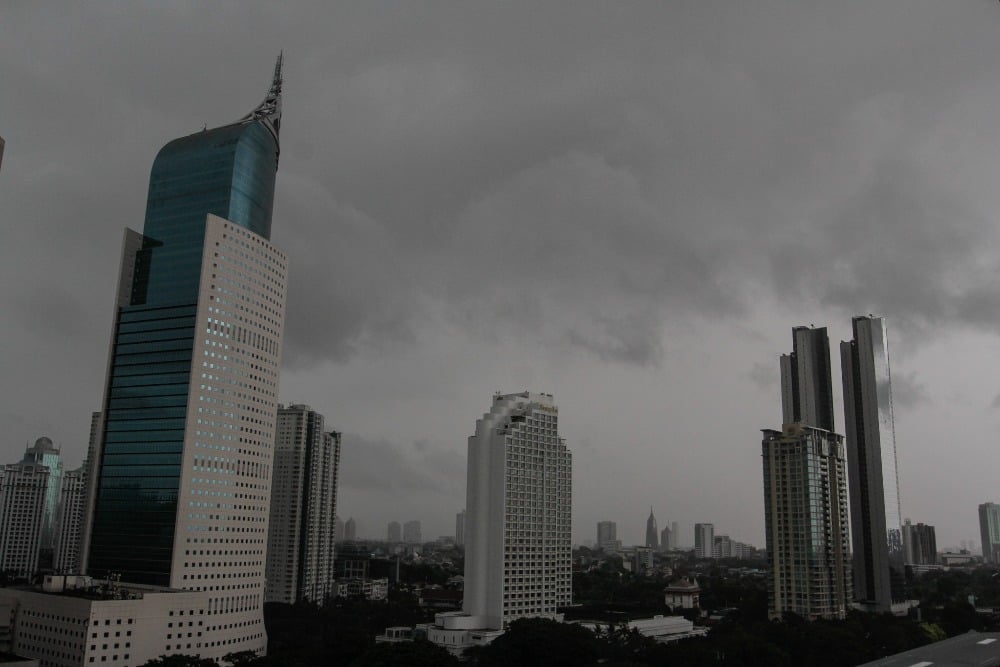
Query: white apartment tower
519, 500
300, 545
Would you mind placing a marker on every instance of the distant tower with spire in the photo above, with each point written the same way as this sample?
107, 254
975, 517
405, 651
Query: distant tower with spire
652, 534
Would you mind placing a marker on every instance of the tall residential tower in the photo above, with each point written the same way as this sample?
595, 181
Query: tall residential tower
805, 489
300, 544
806, 518
181, 480
876, 521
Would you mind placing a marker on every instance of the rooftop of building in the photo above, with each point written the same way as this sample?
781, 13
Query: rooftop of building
88, 588
972, 648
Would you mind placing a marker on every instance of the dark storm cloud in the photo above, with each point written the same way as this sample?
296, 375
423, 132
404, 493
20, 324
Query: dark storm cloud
764, 375
399, 470
908, 393
614, 180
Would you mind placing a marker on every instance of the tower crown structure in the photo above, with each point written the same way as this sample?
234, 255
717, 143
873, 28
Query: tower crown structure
652, 534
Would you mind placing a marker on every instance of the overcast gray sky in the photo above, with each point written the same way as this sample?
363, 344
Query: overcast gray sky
627, 205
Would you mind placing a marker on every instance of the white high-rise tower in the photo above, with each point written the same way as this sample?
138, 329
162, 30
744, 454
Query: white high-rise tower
518, 509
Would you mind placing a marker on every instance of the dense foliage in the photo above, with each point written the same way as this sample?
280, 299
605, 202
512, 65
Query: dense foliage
343, 631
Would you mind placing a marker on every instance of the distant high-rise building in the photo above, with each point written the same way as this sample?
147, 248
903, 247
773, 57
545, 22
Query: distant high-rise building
722, 547
69, 520
2, 144
806, 522
876, 521
181, 487
411, 532
350, 530
460, 528
704, 540
652, 534
989, 531
665, 539
919, 543
29, 498
675, 535
806, 385
607, 536
394, 532
300, 540
519, 500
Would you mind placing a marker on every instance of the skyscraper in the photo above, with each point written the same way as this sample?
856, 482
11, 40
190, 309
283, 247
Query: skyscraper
519, 500
607, 537
411, 532
919, 543
29, 497
704, 540
350, 530
652, 534
674, 535
300, 543
876, 523
806, 385
180, 484
394, 532
989, 531
806, 521
69, 520
666, 539
460, 528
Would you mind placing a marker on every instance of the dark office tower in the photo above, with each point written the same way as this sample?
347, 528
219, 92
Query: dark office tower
806, 387
989, 530
300, 541
652, 534
919, 543
182, 474
876, 524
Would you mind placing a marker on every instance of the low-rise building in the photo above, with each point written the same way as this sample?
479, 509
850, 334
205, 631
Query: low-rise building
71, 621
682, 593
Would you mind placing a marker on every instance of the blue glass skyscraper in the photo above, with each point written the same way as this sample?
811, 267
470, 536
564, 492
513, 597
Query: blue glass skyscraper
178, 494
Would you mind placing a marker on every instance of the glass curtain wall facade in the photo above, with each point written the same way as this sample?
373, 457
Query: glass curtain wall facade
876, 520
182, 468
806, 517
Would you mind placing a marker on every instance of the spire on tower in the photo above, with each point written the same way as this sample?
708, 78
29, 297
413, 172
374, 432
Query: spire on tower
269, 111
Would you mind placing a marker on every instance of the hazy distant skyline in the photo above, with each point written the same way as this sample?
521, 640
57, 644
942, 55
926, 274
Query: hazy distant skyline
626, 205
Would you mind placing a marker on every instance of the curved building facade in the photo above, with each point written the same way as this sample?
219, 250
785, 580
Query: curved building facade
181, 478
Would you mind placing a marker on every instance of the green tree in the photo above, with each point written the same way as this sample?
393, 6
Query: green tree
531, 642
418, 653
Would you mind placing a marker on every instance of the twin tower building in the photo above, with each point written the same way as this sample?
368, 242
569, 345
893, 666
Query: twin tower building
807, 465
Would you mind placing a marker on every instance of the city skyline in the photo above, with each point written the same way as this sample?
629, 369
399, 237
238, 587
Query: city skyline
663, 194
